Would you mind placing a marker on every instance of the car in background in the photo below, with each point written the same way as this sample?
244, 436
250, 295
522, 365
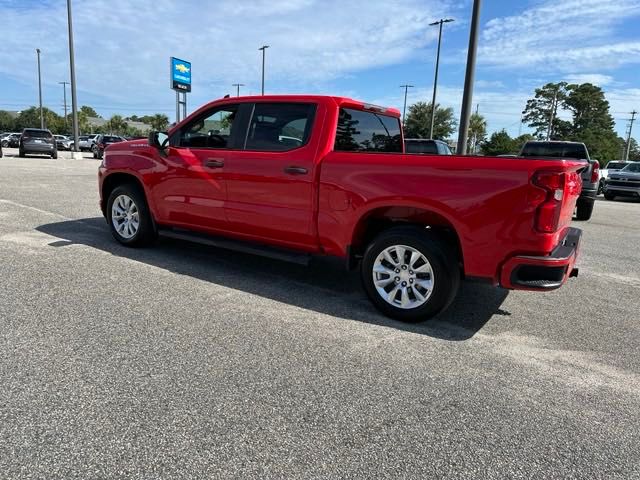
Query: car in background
426, 146
612, 167
102, 142
575, 151
624, 182
0, 150
38, 141
10, 140
86, 142
63, 142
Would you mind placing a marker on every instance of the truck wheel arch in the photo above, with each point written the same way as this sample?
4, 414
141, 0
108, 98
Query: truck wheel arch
376, 220
119, 178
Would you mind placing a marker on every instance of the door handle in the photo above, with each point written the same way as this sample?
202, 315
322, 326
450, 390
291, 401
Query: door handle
296, 170
214, 163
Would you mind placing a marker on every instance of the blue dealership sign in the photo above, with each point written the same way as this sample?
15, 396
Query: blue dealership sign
180, 74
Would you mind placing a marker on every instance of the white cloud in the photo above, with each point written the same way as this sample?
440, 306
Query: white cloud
561, 36
122, 49
594, 78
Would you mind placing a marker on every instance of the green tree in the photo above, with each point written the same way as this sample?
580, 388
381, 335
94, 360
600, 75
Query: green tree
7, 122
117, 124
159, 122
477, 132
89, 111
418, 121
30, 118
592, 123
501, 143
544, 106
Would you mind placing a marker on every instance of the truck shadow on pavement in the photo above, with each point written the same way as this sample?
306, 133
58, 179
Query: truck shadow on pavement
323, 287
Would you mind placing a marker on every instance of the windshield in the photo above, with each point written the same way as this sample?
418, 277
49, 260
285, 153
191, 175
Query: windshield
615, 165
554, 150
632, 168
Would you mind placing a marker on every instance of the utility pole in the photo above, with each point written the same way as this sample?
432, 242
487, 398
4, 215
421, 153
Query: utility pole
40, 90
238, 85
74, 99
435, 81
264, 49
467, 97
64, 96
404, 110
633, 118
554, 107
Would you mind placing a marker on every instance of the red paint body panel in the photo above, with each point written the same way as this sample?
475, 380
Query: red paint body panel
485, 200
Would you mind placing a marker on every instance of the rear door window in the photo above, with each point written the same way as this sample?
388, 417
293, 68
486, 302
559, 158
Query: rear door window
422, 147
277, 127
361, 131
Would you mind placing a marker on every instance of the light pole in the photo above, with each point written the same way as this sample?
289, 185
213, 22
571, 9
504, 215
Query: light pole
72, 67
435, 81
238, 85
264, 49
40, 89
467, 97
64, 95
404, 110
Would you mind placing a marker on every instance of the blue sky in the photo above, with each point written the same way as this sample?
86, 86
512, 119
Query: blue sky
364, 49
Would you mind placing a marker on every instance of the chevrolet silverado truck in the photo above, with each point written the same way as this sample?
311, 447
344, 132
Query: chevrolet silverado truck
297, 176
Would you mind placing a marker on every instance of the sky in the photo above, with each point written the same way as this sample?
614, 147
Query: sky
361, 49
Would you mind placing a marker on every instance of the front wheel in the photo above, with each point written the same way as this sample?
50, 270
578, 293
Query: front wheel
409, 274
5, 144
609, 196
129, 217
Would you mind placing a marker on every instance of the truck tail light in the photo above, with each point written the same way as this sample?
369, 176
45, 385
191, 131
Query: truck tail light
551, 192
595, 173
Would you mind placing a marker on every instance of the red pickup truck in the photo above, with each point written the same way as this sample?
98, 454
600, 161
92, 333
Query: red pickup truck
295, 176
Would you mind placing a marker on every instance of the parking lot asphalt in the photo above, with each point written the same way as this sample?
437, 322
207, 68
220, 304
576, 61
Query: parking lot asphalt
183, 361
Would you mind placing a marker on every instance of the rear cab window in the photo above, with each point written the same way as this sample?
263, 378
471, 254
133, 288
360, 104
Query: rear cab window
554, 150
364, 131
421, 147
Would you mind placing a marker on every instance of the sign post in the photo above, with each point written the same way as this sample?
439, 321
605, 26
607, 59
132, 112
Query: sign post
180, 81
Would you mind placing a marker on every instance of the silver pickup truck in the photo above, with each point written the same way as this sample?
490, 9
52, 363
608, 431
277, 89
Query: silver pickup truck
623, 183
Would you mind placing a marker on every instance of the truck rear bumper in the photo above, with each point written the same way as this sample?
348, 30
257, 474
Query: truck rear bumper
545, 272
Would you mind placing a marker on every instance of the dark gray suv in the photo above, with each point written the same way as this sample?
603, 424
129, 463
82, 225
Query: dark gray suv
35, 140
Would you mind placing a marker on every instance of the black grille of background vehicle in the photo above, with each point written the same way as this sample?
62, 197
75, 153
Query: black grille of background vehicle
624, 183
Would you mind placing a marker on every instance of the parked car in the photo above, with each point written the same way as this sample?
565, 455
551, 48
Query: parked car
86, 142
38, 141
415, 224
624, 182
575, 151
426, 146
63, 142
11, 140
0, 150
612, 167
102, 142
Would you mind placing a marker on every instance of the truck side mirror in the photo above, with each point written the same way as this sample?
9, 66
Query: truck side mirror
159, 140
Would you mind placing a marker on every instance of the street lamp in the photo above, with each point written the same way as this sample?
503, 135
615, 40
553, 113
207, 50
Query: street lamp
40, 90
72, 67
64, 95
404, 110
238, 85
435, 81
264, 49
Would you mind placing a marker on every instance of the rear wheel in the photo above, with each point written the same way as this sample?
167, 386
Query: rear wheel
129, 217
54, 155
584, 210
410, 274
21, 153
609, 196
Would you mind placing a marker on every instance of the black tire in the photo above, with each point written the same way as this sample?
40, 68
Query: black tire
584, 210
609, 196
54, 155
600, 187
21, 153
444, 265
5, 144
146, 233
